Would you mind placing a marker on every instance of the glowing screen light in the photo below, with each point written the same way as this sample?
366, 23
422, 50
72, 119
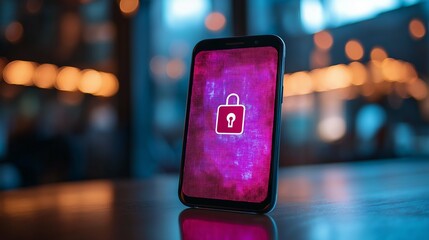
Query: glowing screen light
224, 164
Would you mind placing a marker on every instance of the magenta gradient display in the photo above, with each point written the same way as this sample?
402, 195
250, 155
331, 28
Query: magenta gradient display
231, 167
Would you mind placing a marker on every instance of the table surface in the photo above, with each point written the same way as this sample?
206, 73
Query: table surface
386, 199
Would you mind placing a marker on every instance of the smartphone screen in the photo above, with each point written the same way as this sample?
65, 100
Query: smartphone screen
229, 152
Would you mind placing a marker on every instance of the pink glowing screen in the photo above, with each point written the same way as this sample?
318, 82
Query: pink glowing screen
206, 229
231, 166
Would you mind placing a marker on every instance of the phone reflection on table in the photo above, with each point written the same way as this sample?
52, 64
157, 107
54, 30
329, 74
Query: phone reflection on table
209, 224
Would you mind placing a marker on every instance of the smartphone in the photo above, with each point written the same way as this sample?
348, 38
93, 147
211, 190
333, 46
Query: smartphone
232, 126
206, 224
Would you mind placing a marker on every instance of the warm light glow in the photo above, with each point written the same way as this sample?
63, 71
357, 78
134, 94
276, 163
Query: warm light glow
331, 128
418, 89
337, 76
298, 83
19, 72
417, 29
318, 77
68, 79
14, 32
378, 54
393, 70
410, 71
373, 80
91, 81
175, 68
17, 206
215, 21
359, 73
374, 69
323, 40
110, 85
368, 89
45, 76
354, 50
67, 200
129, 7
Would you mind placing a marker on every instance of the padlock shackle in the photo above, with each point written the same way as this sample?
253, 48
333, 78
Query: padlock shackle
235, 95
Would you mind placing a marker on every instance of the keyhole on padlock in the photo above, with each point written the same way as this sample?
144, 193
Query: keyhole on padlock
230, 118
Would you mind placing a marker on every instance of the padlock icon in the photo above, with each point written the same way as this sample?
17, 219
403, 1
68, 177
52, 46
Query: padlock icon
230, 118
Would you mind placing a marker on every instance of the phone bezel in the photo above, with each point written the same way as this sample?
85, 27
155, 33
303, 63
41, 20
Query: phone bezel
235, 43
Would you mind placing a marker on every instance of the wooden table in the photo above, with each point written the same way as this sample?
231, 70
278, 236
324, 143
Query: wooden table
367, 200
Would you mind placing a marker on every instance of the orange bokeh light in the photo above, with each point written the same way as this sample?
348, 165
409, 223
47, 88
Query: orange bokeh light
417, 29
175, 68
359, 73
14, 32
323, 40
298, 83
418, 89
19, 72
68, 79
45, 75
90, 82
354, 50
129, 7
378, 54
215, 21
110, 85
335, 77
393, 70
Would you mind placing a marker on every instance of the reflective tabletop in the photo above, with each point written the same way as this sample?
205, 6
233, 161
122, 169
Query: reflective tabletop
387, 199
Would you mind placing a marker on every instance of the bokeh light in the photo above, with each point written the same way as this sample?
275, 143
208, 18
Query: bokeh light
68, 79
331, 128
337, 76
392, 70
175, 68
378, 54
45, 75
297, 84
90, 82
418, 89
215, 21
359, 73
323, 40
14, 32
128, 7
110, 85
417, 29
158, 65
354, 50
19, 72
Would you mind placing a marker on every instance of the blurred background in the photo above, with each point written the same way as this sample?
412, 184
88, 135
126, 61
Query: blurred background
95, 89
